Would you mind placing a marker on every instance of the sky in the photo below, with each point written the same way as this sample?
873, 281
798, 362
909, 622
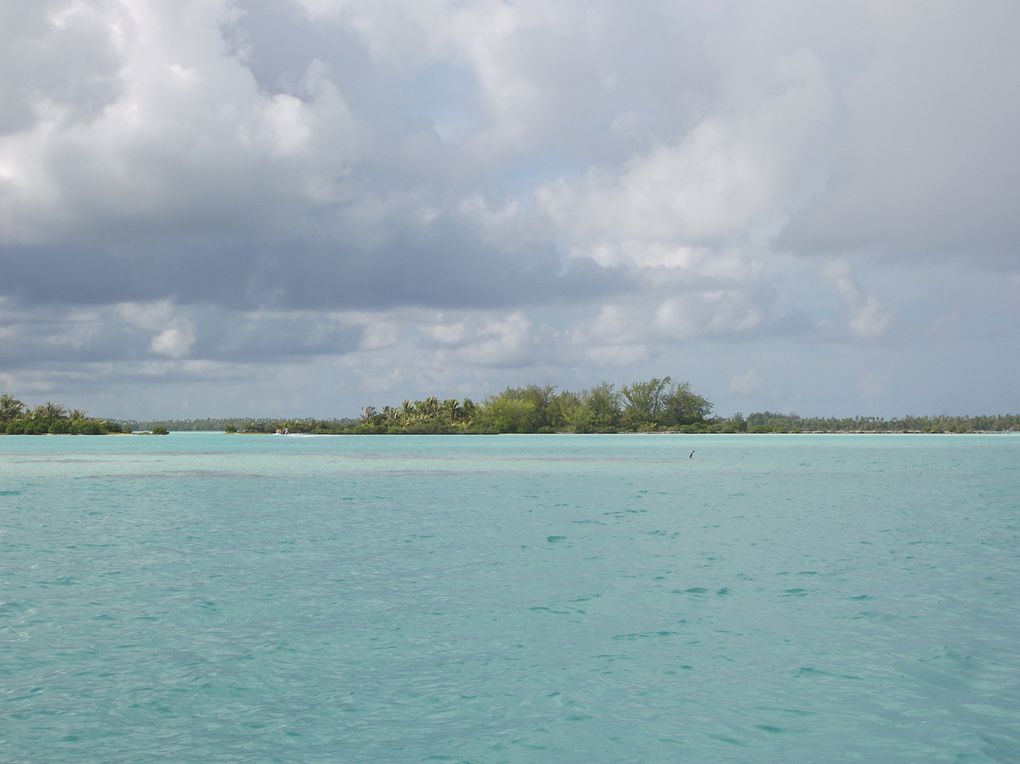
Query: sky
302, 207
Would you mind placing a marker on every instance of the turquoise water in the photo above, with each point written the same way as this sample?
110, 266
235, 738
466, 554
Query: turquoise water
204, 597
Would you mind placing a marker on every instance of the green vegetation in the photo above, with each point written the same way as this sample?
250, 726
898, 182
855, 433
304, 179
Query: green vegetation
658, 405
768, 421
49, 418
655, 405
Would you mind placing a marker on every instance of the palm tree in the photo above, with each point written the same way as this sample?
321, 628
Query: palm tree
429, 407
77, 414
48, 411
451, 410
10, 407
406, 412
390, 416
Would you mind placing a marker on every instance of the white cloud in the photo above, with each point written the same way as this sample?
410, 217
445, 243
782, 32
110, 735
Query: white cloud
716, 312
453, 333
148, 315
622, 185
185, 135
510, 341
289, 121
174, 332
730, 176
173, 342
379, 335
868, 317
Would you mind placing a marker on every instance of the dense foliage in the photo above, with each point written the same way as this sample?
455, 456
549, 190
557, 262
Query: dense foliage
601, 409
768, 421
49, 418
654, 405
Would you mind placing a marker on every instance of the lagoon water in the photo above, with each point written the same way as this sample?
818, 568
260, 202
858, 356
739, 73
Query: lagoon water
205, 597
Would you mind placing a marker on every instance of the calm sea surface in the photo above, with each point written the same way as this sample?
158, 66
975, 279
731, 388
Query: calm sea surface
205, 597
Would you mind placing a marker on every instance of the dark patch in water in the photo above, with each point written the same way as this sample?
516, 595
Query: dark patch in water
62, 581
726, 739
646, 635
624, 512
418, 537
10, 493
204, 474
797, 713
555, 539
812, 672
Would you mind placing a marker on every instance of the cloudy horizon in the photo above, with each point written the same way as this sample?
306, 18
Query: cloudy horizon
301, 207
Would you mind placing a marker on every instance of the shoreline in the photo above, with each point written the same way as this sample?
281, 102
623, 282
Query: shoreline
660, 432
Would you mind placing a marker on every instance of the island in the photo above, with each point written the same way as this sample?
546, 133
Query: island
655, 405
50, 419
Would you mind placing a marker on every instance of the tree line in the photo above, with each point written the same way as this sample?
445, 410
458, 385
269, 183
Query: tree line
769, 421
648, 406
655, 405
50, 418
602, 409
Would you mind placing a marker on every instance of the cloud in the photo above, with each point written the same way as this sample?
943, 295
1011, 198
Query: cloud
314, 188
503, 343
149, 331
868, 317
173, 342
726, 178
716, 312
924, 166
36, 41
194, 184
174, 333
